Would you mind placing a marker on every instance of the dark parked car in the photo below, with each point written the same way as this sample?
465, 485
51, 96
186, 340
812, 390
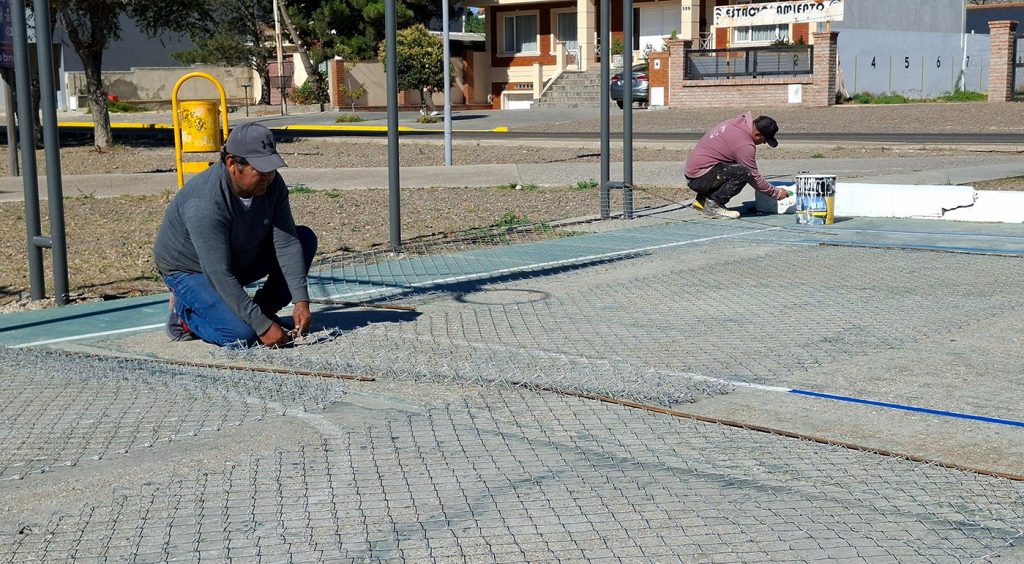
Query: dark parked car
640, 86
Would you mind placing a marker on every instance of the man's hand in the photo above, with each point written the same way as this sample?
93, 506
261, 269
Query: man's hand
783, 194
302, 317
275, 336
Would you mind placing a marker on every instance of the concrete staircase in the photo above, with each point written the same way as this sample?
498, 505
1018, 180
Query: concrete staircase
573, 89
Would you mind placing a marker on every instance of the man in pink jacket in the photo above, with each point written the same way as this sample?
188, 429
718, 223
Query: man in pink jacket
724, 161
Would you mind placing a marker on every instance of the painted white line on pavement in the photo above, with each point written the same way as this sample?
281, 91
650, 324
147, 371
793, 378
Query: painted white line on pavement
87, 336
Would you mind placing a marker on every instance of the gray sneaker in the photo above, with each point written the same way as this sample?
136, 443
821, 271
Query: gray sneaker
175, 327
715, 211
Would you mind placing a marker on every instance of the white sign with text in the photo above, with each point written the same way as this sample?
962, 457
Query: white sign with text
776, 13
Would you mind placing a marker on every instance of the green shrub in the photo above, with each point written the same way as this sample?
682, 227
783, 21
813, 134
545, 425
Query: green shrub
618, 47
305, 95
428, 119
347, 118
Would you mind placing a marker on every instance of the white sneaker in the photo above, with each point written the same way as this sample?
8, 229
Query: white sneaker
715, 211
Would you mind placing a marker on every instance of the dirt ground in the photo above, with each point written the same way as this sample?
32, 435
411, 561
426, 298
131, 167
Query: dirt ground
110, 239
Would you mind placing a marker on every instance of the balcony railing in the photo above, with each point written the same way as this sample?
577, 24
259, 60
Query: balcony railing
752, 62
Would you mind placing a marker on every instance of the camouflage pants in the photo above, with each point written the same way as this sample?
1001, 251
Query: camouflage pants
721, 183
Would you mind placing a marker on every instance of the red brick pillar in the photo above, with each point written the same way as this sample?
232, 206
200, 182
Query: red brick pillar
822, 93
1002, 50
337, 73
676, 69
657, 74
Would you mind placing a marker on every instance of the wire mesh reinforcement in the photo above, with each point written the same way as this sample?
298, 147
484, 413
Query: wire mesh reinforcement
60, 409
494, 254
517, 476
678, 323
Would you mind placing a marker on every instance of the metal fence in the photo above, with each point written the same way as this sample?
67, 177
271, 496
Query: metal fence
750, 62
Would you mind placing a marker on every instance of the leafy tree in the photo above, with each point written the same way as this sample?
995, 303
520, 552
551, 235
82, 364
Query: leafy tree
474, 23
92, 24
237, 38
353, 28
420, 61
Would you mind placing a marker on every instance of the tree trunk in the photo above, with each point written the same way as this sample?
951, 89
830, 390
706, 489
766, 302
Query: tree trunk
312, 72
103, 137
264, 73
303, 52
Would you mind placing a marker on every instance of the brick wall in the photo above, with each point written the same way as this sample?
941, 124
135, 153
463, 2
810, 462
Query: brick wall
1003, 50
818, 88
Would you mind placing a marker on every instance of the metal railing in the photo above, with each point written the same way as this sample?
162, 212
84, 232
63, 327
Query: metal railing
750, 62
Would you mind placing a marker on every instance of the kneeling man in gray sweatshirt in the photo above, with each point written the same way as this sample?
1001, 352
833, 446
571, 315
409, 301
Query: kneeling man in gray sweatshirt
228, 227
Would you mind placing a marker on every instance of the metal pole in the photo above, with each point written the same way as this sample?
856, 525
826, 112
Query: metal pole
606, 24
12, 135
27, 137
627, 108
51, 144
280, 59
447, 88
394, 188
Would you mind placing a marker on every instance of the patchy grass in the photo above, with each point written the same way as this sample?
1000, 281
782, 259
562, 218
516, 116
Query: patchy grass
869, 98
584, 185
299, 189
964, 96
428, 119
511, 219
348, 118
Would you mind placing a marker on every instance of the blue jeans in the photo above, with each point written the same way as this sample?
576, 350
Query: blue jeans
209, 317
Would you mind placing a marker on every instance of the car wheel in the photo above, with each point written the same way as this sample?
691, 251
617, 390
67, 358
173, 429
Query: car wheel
619, 103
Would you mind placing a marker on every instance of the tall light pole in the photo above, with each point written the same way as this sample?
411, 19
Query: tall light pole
447, 88
280, 59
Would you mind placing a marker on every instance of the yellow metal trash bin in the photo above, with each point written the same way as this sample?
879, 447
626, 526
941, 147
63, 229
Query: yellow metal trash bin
200, 126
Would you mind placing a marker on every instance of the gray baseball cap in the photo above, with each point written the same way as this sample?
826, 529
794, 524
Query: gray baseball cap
256, 143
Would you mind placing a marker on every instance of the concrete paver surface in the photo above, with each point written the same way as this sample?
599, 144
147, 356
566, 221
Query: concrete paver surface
672, 389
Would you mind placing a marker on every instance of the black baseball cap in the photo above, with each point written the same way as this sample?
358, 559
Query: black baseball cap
256, 144
768, 129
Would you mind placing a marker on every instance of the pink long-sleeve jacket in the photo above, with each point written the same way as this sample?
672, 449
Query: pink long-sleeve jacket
731, 141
